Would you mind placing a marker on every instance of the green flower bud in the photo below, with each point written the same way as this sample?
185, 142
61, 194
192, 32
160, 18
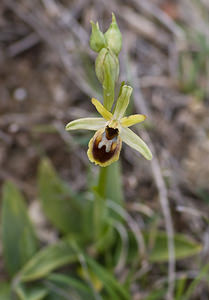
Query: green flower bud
113, 36
97, 39
107, 66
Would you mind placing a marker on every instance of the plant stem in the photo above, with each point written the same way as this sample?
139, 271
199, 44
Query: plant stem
102, 181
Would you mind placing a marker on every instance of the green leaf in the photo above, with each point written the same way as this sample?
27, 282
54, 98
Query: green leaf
18, 238
184, 247
47, 260
5, 291
31, 292
193, 285
54, 296
115, 290
204, 195
59, 204
67, 280
156, 295
68, 283
180, 287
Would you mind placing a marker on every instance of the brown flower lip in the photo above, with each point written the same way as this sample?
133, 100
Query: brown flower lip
111, 132
101, 153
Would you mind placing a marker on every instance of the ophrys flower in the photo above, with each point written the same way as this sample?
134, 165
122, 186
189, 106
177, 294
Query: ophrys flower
111, 130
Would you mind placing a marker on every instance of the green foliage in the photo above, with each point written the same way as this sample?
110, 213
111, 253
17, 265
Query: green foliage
204, 195
184, 247
60, 205
5, 291
68, 282
115, 244
156, 294
47, 260
109, 187
180, 286
115, 290
202, 274
18, 238
34, 292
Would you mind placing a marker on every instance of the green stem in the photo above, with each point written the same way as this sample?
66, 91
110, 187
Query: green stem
99, 203
102, 181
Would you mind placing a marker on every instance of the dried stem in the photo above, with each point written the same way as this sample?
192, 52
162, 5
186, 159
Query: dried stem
162, 190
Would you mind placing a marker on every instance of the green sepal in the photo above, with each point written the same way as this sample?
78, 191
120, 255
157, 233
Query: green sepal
123, 101
113, 36
97, 39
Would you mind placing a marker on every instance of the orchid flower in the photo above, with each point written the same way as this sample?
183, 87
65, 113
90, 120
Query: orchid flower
111, 130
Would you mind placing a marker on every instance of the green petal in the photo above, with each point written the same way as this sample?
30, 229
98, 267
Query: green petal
86, 123
122, 102
132, 120
107, 115
135, 142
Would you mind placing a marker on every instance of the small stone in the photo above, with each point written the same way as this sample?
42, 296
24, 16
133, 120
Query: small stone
13, 128
20, 94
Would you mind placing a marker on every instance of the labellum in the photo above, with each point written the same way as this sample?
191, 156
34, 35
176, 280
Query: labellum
105, 146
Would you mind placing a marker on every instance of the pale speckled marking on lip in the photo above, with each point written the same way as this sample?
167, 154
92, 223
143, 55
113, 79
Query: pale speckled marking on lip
105, 148
109, 137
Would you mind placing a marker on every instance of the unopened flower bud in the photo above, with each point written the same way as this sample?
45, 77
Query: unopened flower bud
97, 39
107, 65
113, 36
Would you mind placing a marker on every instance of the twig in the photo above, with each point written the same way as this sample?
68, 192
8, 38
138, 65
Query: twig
151, 9
161, 81
69, 141
162, 190
124, 251
5, 137
24, 44
178, 41
139, 24
190, 210
139, 207
50, 32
